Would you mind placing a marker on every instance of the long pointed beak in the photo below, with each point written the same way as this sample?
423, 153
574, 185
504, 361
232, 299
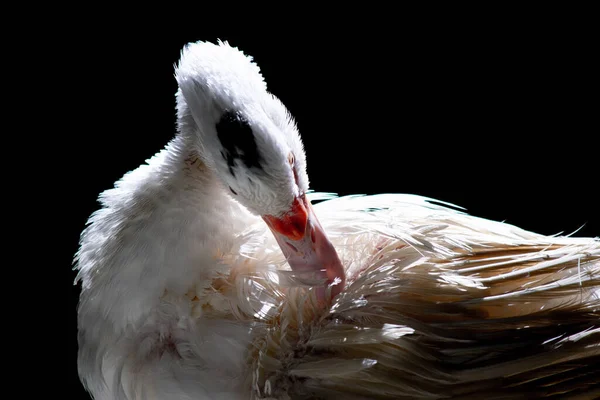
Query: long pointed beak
306, 246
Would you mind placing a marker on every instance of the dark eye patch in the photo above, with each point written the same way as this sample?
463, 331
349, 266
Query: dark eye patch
237, 139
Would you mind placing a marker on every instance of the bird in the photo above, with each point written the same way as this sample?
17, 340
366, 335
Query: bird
212, 271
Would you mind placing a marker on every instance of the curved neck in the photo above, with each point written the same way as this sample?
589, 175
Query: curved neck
158, 232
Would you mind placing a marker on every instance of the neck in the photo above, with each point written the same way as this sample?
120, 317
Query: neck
158, 232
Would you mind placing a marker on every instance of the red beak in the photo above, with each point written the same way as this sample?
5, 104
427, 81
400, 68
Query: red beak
306, 247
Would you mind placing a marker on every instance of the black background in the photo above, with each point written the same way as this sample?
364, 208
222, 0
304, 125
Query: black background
495, 115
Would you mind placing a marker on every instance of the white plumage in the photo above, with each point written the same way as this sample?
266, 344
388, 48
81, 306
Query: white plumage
186, 293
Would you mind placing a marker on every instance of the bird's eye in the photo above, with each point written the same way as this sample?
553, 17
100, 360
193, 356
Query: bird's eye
292, 160
232, 191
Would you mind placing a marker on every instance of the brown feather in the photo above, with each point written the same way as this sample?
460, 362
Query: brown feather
432, 312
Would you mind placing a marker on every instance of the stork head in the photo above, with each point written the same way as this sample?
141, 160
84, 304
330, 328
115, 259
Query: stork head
247, 137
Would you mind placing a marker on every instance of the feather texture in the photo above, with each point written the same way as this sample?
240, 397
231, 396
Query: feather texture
439, 304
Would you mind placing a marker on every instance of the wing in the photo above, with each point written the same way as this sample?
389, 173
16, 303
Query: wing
439, 304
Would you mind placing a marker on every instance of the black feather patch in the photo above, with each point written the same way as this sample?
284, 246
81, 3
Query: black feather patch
237, 140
